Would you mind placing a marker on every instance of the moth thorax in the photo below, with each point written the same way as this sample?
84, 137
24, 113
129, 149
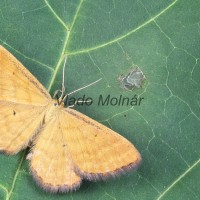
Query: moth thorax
52, 110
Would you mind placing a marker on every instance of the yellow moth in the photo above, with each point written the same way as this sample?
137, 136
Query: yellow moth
67, 146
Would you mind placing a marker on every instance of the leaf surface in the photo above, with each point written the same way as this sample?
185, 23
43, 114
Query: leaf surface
104, 39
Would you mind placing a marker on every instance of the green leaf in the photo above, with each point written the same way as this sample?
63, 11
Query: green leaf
104, 39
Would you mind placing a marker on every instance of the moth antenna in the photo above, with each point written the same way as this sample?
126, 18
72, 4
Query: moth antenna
57, 98
56, 93
63, 79
80, 89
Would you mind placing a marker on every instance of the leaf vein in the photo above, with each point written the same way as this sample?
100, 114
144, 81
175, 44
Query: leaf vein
5, 190
125, 35
16, 175
178, 179
28, 58
55, 14
64, 47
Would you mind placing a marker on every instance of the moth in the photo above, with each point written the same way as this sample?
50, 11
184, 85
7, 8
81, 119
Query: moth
67, 146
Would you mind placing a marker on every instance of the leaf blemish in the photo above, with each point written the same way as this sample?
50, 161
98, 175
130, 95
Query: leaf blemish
134, 79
